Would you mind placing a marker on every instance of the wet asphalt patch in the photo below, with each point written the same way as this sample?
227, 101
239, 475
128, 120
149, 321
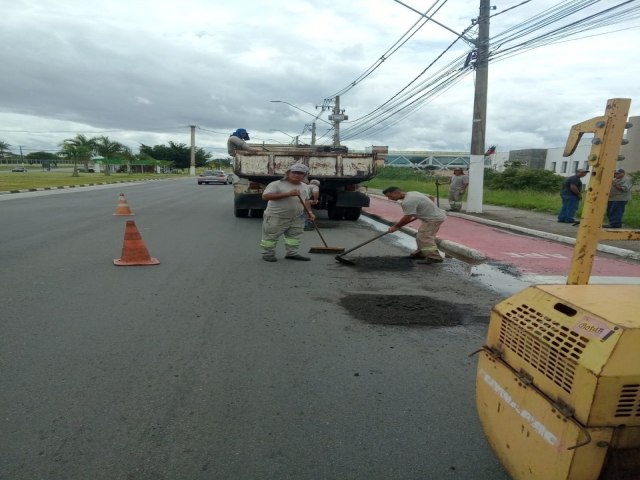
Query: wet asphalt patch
406, 310
384, 263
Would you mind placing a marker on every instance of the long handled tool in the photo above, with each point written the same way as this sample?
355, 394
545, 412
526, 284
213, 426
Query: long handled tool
341, 258
346, 261
326, 248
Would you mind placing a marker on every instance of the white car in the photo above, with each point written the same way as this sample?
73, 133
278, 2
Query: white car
214, 176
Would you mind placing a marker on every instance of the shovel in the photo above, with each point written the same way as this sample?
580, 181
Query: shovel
326, 248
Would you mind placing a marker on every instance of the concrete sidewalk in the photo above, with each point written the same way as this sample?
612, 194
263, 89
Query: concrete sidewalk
535, 224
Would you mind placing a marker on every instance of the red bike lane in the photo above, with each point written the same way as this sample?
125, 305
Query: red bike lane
529, 255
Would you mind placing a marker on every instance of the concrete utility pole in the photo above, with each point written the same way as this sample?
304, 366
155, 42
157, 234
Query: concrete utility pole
478, 129
192, 169
337, 117
313, 133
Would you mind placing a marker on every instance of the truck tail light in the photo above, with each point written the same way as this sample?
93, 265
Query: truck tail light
350, 188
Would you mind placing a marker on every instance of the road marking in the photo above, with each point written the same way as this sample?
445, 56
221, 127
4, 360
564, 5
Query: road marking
535, 255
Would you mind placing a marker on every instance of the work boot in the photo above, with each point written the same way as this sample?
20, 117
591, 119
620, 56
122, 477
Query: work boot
269, 258
429, 261
297, 257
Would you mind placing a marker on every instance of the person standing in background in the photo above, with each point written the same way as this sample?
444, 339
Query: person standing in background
571, 194
314, 197
619, 196
457, 189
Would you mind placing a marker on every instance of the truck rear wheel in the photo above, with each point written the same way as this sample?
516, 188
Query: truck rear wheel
241, 212
352, 213
335, 213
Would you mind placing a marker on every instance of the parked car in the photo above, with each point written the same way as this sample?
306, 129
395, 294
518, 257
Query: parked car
19, 169
214, 176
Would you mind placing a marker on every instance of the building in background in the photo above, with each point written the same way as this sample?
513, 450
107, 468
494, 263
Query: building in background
541, 158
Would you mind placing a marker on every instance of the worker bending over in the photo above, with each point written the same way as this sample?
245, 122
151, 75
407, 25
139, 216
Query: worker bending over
420, 206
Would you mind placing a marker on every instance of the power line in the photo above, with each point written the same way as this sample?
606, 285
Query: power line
406, 101
406, 36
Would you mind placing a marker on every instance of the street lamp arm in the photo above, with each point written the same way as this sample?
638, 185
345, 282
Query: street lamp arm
276, 130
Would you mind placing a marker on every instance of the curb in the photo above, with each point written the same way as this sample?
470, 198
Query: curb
63, 187
457, 249
620, 252
475, 255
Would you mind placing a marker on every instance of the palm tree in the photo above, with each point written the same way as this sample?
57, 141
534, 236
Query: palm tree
4, 147
108, 149
80, 148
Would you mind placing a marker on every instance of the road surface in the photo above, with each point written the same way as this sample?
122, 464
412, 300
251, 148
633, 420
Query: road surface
215, 364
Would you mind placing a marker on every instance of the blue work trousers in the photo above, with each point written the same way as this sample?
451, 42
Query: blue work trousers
615, 211
569, 208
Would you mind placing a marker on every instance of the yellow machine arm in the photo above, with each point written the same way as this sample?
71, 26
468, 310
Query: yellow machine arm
608, 133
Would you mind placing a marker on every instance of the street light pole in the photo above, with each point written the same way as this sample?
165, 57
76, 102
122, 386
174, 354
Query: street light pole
192, 167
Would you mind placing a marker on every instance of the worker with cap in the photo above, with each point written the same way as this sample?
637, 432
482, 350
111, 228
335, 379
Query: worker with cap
284, 214
571, 194
314, 197
237, 141
416, 205
619, 196
457, 189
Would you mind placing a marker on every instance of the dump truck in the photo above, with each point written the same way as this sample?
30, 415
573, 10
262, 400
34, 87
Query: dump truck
340, 174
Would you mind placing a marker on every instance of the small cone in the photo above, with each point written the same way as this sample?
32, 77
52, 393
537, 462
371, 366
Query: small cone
123, 206
134, 251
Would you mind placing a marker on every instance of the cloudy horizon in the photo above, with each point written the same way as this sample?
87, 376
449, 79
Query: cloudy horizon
142, 72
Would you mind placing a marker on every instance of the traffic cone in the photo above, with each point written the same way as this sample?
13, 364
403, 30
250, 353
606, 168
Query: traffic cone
123, 206
134, 251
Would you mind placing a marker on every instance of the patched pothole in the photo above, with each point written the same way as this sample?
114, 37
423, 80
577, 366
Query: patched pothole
383, 263
406, 310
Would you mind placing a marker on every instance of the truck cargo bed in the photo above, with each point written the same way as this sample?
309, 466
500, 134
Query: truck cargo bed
340, 167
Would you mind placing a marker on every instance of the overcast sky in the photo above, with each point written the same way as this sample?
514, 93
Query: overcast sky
141, 72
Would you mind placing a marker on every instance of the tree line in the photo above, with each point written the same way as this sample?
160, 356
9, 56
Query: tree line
80, 150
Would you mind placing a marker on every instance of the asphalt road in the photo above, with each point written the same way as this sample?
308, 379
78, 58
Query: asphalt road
217, 365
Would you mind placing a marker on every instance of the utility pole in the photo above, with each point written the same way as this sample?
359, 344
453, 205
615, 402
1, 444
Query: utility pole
478, 128
337, 117
313, 133
192, 169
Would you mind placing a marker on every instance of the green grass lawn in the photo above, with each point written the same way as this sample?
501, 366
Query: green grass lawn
37, 178
523, 199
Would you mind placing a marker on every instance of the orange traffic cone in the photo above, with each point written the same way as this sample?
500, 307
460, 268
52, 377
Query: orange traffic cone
134, 251
123, 206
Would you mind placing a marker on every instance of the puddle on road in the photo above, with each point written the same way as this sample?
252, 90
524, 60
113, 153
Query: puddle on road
501, 278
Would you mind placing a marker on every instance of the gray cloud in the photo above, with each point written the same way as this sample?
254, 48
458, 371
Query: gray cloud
143, 72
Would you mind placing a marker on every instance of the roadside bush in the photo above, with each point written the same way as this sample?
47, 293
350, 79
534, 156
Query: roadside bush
404, 173
523, 179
